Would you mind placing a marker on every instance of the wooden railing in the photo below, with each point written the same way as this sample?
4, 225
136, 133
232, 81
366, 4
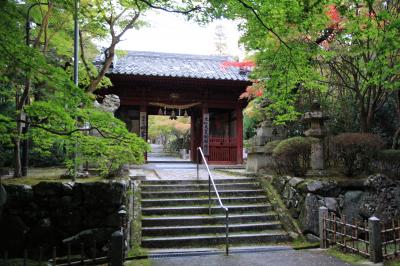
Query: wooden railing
391, 238
350, 236
372, 238
200, 157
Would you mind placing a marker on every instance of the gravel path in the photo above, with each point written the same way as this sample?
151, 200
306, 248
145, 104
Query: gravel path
272, 258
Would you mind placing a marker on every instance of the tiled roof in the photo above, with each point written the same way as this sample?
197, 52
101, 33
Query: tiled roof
177, 65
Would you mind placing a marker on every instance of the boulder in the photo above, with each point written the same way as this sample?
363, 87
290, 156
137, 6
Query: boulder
308, 219
12, 231
110, 103
106, 194
52, 189
3, 195
87, 237
279, 182
351, 205
295, 181
312, 238
326, 188
290, 197
331, 204
377, 182
18, 195
44, 232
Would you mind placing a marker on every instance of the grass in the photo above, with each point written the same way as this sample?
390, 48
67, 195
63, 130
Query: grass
301, 243
35, 180
49, 174
351, 258
141, 262
395, 262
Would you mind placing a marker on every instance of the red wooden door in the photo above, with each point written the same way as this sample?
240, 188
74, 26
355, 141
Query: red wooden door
222, 149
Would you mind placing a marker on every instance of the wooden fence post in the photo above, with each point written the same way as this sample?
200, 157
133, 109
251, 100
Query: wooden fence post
322, 213
117, 249
375, 241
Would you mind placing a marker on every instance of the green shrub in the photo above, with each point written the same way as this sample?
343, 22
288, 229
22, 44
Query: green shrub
270, 146
355, 151
388, 162
293, 155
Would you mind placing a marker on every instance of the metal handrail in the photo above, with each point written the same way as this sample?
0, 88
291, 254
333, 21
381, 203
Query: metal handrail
211, 181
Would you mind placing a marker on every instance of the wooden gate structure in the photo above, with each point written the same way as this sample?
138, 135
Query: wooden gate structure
199, 85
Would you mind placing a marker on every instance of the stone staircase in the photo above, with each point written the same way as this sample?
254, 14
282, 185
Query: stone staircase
175, 214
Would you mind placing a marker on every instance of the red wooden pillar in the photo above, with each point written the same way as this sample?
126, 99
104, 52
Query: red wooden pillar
239, 135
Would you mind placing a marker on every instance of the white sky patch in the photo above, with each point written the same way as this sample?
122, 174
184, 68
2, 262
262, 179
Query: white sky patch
171, 33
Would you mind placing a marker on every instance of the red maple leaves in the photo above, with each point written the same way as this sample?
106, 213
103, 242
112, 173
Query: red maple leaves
246, 64
252, 91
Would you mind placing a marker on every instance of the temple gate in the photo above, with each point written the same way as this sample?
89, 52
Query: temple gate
199, 86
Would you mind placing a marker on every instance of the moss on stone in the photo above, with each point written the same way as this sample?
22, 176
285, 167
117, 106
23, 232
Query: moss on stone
279, 207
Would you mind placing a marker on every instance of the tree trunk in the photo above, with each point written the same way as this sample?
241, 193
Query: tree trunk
363, 121
25, 152
17, 152
104, 69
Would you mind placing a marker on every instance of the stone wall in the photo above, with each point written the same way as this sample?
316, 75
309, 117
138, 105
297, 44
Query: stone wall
52, 214
376, 195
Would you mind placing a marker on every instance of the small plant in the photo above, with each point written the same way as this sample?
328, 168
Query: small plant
355, 151
293, 155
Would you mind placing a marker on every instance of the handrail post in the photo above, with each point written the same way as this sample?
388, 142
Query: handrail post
209, 194
198, 161
227, 232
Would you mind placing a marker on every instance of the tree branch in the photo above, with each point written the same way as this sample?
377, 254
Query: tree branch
83, 57
184, 12
263, 23
61, 133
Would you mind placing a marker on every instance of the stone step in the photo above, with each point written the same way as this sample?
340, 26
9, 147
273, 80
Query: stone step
217, 239
194, 187
201, 193
208, 229
193, 210
201, 201
149, 221
194, 181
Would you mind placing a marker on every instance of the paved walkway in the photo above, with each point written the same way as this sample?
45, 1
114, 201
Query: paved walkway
177, 171
272, 258
158, 155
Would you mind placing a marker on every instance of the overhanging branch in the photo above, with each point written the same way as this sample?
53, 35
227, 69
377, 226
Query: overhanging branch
263, 23
184, 12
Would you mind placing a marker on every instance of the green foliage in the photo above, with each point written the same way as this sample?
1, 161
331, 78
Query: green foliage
58, 109
108, 143
173, 134
343, 54
271, 145
292, 155
355, 151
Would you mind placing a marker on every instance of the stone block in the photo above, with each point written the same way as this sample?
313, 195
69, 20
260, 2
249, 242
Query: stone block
308, 219
52, 189
327, 188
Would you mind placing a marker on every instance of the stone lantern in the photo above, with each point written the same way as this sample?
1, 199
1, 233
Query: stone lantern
257, 156
316, 119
